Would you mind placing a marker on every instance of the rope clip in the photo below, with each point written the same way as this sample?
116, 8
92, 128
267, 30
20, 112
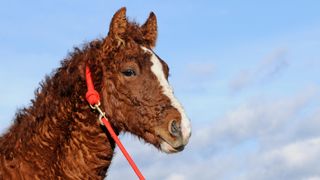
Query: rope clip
101, 113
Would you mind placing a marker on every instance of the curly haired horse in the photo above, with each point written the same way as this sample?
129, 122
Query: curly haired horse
59, 137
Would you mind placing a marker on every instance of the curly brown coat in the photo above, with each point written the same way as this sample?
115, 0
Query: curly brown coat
59, 137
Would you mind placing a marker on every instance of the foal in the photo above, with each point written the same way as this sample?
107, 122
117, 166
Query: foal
59, 137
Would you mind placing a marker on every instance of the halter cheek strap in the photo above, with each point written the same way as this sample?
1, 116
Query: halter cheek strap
93, 99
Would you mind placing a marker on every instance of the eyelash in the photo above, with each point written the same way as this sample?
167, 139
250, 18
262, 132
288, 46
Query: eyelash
129, 73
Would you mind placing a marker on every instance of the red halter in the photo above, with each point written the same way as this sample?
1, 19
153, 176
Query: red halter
93, 98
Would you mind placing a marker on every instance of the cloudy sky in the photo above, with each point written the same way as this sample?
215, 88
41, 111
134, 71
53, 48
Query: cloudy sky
247, 72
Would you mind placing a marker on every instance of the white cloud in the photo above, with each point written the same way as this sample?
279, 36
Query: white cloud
241, 80
223, 149
296, 160
312, 178
297, 154
257, 118
268, 68
176, 177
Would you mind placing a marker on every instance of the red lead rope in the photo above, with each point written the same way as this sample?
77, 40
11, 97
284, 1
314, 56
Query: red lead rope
93, 98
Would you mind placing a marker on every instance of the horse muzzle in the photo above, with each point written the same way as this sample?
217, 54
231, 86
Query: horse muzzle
172, 137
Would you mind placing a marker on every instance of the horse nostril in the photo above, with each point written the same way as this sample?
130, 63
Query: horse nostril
175, 128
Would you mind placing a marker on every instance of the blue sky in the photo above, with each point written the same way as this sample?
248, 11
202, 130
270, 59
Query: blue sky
247, 72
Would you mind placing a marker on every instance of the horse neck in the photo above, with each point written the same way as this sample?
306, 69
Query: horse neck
60, 129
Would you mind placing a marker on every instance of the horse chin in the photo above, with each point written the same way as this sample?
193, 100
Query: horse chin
161, 144
167, 148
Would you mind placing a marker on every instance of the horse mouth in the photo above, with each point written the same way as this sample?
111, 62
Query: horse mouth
163, 144
166, 146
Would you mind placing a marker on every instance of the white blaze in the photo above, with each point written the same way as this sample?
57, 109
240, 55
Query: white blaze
157, 69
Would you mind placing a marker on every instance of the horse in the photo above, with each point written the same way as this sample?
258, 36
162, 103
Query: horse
58, 135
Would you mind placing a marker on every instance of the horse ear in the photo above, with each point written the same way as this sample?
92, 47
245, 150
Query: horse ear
118, 23
149, 30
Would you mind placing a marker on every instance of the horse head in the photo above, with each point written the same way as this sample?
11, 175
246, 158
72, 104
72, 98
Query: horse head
136, 94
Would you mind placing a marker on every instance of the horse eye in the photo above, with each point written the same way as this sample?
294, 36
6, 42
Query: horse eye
129, 72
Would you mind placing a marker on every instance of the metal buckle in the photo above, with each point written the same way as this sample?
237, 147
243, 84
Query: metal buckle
95, 106
101, 113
